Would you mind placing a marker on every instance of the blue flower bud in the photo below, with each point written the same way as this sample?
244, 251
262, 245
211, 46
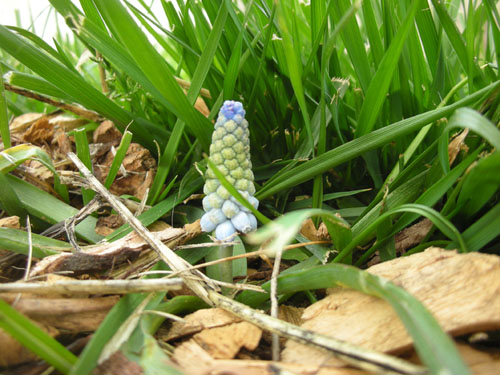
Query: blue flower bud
224, 231
244, 222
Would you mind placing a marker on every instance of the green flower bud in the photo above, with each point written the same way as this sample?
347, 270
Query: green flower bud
230, 126
229, 140
228, 153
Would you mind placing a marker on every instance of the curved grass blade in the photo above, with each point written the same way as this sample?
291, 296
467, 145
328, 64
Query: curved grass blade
467, 118
9, 200
483, 230
11, 158
480, 184
437, 219
283, 230
36, 340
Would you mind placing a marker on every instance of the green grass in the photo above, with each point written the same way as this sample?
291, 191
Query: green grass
351, 106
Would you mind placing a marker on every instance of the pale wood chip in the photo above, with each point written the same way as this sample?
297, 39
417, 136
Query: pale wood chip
200, 320
225, 342
10, 222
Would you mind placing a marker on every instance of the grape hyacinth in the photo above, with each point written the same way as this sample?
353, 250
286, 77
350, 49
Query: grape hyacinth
230, 152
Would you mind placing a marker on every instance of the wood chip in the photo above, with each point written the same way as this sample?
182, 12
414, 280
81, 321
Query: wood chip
200, 320
225, 342
461, 290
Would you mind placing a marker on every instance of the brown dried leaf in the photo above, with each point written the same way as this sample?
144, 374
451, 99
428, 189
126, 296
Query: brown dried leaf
412, 235
62, 144
40, 132
140, 169
107, 224
106, 132
22, 122
69, 315
310, 232
460, 290
192, 358
67, 123
456, 145
291, 314
246, 367
104, 256
201, 107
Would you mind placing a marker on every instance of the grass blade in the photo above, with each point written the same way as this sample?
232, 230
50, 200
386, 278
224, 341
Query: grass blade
379, 85
118, 159
4, 119
16, 240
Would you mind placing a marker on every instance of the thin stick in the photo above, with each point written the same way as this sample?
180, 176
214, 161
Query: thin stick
30, 249
30, 257
85, 113
93, 286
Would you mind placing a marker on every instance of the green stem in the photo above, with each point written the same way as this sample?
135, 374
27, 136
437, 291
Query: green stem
222, 271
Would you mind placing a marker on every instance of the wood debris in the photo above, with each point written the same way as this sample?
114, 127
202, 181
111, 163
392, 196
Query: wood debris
217, 334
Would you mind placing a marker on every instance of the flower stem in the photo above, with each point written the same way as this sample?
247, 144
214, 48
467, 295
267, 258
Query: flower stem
222, 271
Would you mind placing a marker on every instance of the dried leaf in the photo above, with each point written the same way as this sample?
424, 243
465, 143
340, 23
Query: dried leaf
412, 235
40, 132
106, 132
104, 255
